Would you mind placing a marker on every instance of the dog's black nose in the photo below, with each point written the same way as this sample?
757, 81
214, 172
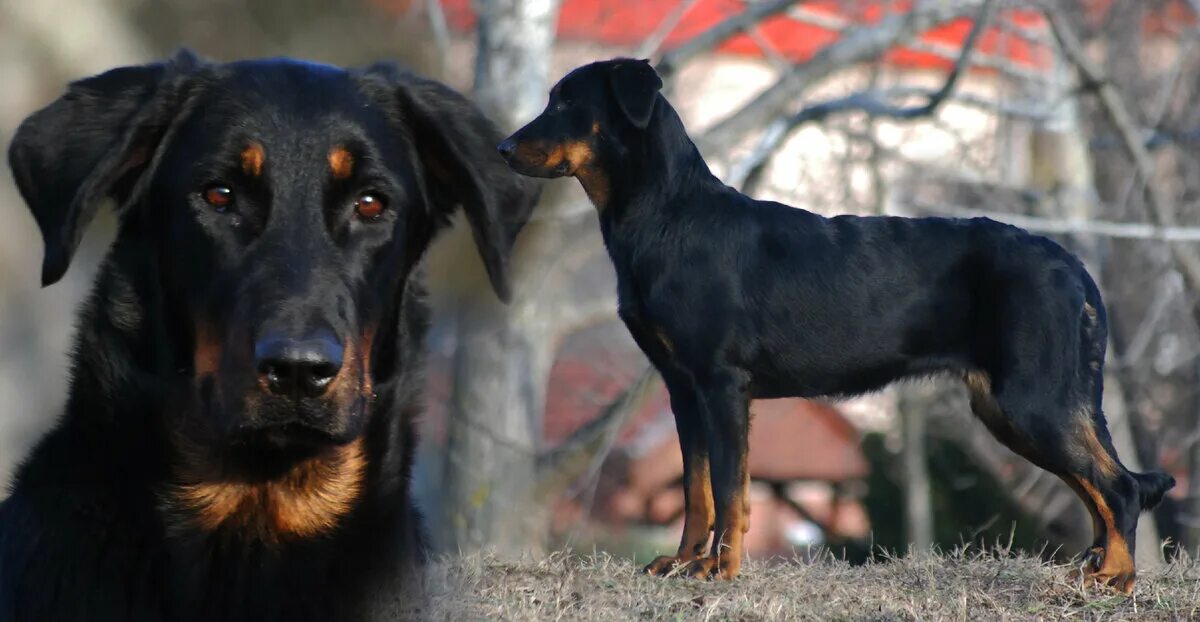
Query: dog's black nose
507, 148
299, 367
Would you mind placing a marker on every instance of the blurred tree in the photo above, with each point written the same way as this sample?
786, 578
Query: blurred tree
497, 478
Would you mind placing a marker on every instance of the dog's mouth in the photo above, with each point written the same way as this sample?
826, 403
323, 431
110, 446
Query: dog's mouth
536, 165
536, 159
263, 453
311, 423
290, 435
244, 421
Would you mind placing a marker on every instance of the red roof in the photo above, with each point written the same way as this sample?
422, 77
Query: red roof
626, 23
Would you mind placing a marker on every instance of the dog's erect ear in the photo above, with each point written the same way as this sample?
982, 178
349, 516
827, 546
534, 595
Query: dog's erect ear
457, 147
92, 143
635, 86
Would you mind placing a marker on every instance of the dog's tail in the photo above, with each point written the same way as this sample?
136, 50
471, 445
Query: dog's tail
1152, 486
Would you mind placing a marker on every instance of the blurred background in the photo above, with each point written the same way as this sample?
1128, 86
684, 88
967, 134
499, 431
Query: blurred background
544, 426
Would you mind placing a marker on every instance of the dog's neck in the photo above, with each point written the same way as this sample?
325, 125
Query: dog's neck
650, 169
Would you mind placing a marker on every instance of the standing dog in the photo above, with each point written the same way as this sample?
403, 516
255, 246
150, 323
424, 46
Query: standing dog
239, 428
733, 299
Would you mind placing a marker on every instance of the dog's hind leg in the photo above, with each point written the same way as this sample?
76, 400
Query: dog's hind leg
697, 485
1043, 400
1072, 442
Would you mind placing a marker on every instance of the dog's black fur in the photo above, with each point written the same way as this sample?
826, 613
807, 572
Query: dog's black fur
239, 429
733, 299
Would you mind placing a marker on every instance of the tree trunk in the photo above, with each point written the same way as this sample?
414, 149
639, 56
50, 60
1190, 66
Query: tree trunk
1191, 508
918, 501
504, 353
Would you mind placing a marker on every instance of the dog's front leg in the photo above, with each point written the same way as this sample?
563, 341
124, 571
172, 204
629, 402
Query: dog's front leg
697, 486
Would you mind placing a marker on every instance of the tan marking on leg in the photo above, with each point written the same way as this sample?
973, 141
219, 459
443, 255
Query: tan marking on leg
745, 494
1117, 568
697, 521
1093, 450
341, 163
728, 551
984, 404
1098, 529
253, 157
978, 382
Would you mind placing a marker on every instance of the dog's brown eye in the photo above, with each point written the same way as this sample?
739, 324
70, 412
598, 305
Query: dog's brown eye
369, 206
220, 197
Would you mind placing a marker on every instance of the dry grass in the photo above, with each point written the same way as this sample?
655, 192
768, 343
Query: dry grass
956, 586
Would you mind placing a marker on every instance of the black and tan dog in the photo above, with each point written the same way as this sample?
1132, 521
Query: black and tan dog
239, 428
733, 298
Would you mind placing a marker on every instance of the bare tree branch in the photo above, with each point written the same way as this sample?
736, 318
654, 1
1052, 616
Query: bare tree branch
1161, 213
1026, 110
866, 101
441, 33
1001, 64
754, 13
854, 46
946, 51
650, 46
1037, 224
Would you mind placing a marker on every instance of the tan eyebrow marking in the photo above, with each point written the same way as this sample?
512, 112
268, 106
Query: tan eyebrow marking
341, 162
253, 157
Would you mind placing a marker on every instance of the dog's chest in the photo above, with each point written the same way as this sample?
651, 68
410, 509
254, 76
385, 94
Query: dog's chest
632, 299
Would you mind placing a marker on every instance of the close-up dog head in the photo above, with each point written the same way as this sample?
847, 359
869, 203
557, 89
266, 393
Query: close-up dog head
272, 214
588, 111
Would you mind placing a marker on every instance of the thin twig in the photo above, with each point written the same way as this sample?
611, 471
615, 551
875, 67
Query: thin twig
711, 38
650, 46
583, 453
1158, 206
854, 46
441, 34
869, 102
1038, 224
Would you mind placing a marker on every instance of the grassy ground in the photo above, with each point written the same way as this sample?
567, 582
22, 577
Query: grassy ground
958, 586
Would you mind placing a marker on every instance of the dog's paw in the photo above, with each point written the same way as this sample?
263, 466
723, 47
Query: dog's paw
662, 565
1095, 569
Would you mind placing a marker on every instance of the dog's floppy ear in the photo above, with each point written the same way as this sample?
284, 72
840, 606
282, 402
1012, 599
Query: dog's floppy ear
457, 147
91, 144
635, 86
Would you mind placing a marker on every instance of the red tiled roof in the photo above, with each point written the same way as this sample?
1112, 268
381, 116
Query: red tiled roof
626, 23
798, 439
790, 438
